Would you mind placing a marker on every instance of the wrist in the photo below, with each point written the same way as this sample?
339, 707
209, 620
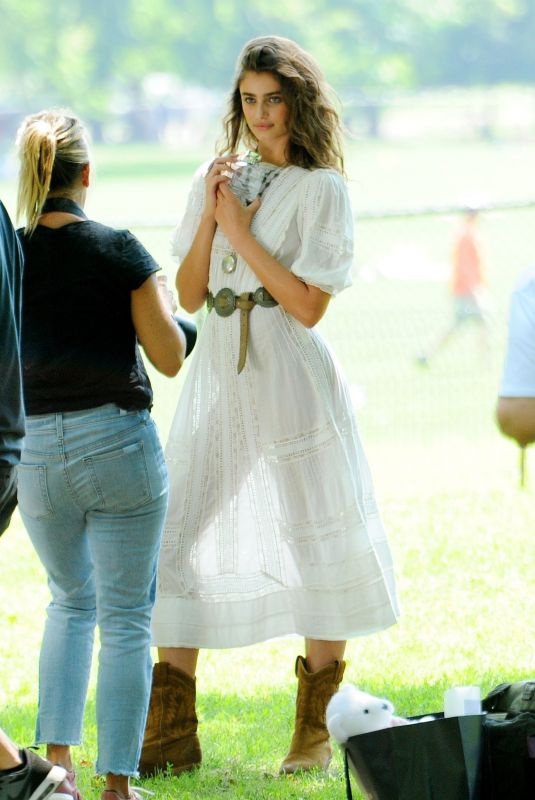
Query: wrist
240, 239
208, 218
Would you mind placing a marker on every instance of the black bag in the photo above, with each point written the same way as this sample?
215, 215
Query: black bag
511, 698
509, 744
509, 757
431, 760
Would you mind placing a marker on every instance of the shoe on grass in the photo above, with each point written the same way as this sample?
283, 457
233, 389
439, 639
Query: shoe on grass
36, 779
135, 794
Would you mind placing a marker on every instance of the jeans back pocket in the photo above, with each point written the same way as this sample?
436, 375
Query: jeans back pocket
32, 491
120, 477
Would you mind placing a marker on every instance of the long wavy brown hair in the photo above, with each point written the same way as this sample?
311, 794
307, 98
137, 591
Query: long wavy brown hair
313, 123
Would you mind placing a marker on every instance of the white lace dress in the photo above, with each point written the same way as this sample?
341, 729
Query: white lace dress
272, 527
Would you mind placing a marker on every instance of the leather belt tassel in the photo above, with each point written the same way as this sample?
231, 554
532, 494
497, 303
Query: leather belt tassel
225, 302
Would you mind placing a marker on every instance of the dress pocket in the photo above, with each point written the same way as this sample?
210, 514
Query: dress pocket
32, 491
120, 477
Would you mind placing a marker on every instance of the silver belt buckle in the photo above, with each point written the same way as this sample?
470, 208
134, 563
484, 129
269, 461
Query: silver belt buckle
225, 302
262, 297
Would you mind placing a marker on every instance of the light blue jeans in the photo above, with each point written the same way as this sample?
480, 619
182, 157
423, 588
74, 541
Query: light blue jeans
93, 496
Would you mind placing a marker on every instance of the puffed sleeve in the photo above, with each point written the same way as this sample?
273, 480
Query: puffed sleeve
186, 229
325, 226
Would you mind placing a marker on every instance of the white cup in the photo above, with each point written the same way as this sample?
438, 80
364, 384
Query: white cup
462, 700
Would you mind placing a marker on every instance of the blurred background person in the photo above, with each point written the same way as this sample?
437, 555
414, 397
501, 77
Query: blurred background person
468, 287
515, 410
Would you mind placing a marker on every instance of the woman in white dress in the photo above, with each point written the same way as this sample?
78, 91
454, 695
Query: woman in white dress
272, 526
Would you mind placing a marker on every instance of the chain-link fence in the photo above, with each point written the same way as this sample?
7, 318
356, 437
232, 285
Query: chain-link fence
433, 420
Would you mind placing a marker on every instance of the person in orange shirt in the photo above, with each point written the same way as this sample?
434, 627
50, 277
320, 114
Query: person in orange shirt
468, 286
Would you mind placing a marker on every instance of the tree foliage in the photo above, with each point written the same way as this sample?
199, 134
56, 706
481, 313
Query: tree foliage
84, 54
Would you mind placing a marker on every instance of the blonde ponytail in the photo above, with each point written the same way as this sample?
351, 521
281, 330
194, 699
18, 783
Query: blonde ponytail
52, 151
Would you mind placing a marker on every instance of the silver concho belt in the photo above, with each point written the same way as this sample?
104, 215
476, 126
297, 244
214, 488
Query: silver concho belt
225, 303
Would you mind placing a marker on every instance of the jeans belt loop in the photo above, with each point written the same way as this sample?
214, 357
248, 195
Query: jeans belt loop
225, 302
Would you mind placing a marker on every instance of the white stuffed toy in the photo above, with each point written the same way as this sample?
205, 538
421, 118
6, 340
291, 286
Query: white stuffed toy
351, 712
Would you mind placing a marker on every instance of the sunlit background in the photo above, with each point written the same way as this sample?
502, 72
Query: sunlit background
438, 101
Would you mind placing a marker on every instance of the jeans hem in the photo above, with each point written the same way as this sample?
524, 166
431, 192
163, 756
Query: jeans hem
127, 773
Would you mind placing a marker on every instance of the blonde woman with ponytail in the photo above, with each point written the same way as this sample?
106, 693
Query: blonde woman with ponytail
45, 135
92, 479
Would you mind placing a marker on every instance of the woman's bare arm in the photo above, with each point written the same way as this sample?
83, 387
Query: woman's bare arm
516, 418
159, 335
304, 302
192, 275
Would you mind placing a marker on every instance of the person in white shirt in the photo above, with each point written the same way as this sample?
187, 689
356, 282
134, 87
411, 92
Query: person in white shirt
515, 409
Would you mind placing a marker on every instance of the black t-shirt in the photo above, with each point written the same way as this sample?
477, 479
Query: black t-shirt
79, 346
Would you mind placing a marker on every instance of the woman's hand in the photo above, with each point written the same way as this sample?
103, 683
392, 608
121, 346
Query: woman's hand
233, 218
219, 174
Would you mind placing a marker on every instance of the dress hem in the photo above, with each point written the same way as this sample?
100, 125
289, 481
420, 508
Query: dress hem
167, 635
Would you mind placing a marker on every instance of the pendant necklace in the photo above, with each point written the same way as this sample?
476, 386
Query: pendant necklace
229, 263
241, 188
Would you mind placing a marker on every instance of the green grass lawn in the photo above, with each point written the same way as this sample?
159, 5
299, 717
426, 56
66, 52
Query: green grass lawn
464, 562
460, 527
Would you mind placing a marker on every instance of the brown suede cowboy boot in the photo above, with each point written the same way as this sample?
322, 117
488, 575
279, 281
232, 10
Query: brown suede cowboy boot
310, 745
171, 731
